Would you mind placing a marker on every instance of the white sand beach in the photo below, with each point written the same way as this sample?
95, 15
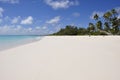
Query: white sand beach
63, 58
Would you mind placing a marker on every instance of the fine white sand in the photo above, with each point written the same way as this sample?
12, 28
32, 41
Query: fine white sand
63, 58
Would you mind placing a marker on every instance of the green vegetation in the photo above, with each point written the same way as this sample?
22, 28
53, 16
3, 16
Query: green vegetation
108, 24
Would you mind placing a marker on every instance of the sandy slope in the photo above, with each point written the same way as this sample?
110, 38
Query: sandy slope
63, 58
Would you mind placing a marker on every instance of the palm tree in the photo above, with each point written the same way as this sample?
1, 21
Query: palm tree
96, 16
106, 26
107, 15
108, 19
114, 21
91, 27
115, 26
99, 25
114, 12
119, 22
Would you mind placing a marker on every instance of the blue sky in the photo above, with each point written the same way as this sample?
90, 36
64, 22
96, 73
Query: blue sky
22, 17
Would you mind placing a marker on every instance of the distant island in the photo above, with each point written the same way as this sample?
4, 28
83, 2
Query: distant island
108, 24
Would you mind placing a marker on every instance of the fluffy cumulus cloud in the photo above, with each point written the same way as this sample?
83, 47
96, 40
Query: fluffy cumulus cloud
54, 20
100, 14
28, 20
24, 26
14, 26
56, 4
15, 20
44, 27
8, 29
10, 1
20, 30
1, 11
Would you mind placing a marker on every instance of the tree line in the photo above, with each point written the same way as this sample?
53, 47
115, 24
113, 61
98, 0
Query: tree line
108, 24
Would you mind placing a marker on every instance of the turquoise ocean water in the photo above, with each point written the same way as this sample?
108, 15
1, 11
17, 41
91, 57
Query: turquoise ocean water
9, 41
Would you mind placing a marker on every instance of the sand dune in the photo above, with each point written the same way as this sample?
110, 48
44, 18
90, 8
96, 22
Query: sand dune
63, 58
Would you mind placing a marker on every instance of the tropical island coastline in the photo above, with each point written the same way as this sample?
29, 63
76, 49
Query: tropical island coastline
59, 40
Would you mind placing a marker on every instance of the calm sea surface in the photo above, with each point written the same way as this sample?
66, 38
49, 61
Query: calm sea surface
9, 41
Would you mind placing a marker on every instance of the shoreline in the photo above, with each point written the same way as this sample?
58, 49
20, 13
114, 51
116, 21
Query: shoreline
22, 43
25, 42
18, 43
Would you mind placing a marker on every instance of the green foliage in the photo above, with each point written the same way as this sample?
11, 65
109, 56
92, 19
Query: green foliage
98, 33
106, 25
96, 16
69, 30
83, 31
91, 27
99, 25
109, 22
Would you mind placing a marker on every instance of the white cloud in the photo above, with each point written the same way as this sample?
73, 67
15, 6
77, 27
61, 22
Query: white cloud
1, 11
5, 29
37, 28
44, 27
7, 19
56, 4
15, 20
29, 29
12, 26
19, 30
54, 20
100, 14
76, 14
10, 1
118, 10
18, 27
119, 16
0, 20
28, 20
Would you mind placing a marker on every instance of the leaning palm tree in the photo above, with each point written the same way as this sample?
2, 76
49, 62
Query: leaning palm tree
107, 15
